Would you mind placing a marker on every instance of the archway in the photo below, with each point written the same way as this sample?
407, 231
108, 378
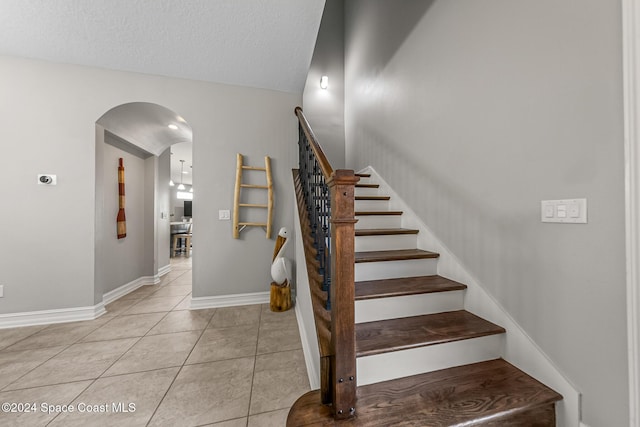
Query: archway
141, 134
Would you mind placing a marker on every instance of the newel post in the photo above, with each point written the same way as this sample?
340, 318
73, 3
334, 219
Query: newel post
343, 340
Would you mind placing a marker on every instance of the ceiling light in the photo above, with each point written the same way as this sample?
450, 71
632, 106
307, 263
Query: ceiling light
172, 126
171, 184
181, 187
324, 82
191, 190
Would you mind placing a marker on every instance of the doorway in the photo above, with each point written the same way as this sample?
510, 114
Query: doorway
141, 134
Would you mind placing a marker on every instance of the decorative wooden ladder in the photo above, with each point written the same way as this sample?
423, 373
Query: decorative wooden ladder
239, 226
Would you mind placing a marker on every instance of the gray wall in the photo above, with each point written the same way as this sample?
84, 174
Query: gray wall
127, 259
476, 111
325, 108
52, 110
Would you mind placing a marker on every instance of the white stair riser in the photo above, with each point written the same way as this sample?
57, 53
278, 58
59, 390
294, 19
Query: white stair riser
393, 269
364, 191
378, 221
408, 305
404, 363
371, 205
386, 242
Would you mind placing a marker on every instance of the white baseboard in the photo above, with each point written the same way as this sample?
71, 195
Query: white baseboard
229, 300
75, 314
46, 317
164, 270
129, 287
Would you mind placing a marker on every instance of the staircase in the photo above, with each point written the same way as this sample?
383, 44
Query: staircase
421, 358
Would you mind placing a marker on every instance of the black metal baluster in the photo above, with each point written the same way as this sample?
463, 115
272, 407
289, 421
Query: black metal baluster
318, 204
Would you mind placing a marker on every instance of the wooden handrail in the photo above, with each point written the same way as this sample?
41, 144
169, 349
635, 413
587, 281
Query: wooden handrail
327, 170
326, 201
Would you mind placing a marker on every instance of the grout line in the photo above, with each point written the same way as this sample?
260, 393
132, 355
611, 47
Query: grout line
73, 399
255, 361
174, 378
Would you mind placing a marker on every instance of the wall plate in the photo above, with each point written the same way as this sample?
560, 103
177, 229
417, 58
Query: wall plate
567, 211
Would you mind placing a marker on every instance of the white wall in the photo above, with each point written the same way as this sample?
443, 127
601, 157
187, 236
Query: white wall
476, 111
50, 112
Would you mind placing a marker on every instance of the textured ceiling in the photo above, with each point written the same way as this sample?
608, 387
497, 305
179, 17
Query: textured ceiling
257, 43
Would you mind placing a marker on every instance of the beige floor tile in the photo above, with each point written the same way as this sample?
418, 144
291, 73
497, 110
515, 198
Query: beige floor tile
78, 362
144, 390
238, 422
61, 394
14, 364
279, 379
207, 393
11, 336
125, 326
154, 305
142, 292
120, 305
184, 304
269, 419
156, 352
183, 320
183, 264
183, 280
281, 337
172, 291
172, 275
277, 318
57, 335
236, 316
225, 343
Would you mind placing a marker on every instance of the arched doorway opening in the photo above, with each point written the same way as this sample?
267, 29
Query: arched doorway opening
141, 134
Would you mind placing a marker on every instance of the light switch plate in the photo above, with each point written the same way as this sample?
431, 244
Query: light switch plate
224, 215
568, 211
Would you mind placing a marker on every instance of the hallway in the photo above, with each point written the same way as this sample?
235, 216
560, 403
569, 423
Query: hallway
151, 361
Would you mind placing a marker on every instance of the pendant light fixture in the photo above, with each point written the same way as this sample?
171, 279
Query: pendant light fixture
181, 187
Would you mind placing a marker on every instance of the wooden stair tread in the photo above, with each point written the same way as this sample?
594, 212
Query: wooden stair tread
491, 393
364, 175
384, 231
364, 213
381, 198
371, 289
394, 255
384, 336
367, 185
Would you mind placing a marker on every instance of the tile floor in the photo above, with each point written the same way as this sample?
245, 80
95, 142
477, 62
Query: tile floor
152, 362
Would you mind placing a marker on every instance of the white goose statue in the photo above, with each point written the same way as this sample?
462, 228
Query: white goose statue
281, 267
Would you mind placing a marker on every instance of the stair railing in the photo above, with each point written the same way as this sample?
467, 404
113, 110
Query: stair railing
327, 197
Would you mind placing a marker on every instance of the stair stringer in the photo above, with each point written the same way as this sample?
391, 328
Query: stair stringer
519, 348
303, 305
